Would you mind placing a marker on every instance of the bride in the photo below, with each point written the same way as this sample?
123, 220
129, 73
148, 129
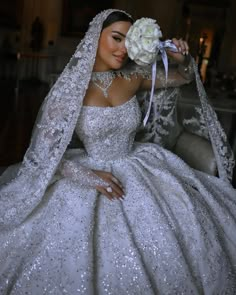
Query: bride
116, 216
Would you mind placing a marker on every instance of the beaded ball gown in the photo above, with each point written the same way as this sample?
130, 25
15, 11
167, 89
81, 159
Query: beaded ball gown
174, 232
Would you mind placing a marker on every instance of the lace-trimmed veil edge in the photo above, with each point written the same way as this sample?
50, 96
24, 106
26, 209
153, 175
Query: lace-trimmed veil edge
55, 125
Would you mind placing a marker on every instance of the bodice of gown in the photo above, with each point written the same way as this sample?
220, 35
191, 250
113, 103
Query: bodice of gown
108, 132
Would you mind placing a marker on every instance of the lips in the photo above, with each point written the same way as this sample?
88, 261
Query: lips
120, 59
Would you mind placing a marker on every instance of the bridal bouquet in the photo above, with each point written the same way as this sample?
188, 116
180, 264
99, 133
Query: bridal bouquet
143, 44
142, 41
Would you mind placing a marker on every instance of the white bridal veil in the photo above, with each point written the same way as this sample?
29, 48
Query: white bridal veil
22, 191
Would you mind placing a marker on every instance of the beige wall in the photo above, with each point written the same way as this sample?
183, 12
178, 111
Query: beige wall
49, 12
168, 17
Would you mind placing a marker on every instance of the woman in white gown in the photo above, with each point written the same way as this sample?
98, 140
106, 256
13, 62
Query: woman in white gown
118, 216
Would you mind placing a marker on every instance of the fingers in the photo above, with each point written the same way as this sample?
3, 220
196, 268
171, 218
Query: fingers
110, 194
117, 190
116, 181
103, 191
114, 187
181, 45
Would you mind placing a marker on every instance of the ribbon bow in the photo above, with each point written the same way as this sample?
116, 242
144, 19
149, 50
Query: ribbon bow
162, 47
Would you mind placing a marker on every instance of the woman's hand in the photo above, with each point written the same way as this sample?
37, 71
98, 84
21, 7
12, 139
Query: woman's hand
183, 51
114, 188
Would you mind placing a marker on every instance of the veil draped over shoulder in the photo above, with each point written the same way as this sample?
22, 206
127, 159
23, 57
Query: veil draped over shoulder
168, 120
52, 131
23, 190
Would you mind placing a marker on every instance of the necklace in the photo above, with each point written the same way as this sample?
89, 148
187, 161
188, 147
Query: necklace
103, 80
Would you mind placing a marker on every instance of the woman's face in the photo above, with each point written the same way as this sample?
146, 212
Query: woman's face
112, 53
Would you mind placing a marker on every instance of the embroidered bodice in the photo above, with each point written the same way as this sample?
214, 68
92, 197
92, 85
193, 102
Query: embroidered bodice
108, 132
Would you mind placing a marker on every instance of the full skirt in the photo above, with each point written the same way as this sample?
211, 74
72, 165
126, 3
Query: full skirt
174, 233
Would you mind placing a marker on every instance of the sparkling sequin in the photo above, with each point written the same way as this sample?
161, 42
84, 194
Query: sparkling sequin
174, 233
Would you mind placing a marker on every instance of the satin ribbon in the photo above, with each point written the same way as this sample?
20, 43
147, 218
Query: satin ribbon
161, 48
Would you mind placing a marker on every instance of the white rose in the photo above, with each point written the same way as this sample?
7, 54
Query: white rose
142, 41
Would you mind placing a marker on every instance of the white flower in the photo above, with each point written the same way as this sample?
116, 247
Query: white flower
142, 41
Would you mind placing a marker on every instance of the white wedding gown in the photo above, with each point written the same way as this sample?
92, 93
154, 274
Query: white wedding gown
174, 233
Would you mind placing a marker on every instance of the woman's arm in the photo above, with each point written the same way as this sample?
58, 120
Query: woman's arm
180, 75
102, 181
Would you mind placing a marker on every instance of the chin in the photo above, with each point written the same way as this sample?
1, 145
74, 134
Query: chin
118, 66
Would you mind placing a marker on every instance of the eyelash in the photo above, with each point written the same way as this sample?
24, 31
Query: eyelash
118, 39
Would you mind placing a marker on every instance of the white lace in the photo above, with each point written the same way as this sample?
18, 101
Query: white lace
53, 130
57, 120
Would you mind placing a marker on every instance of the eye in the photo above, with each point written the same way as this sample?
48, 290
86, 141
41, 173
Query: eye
118, 39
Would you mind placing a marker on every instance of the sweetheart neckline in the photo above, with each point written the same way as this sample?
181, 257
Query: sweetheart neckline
110, 107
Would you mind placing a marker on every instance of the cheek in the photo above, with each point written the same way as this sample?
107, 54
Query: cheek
107, 44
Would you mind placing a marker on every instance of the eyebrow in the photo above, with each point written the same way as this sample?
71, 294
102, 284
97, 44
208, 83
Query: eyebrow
123, 35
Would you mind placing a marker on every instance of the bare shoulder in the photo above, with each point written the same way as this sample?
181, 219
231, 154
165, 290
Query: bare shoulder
134, 75
124, 88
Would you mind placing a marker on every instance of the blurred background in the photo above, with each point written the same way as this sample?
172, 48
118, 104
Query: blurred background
37, 38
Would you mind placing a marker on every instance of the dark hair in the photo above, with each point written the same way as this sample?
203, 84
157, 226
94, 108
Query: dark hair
116, 16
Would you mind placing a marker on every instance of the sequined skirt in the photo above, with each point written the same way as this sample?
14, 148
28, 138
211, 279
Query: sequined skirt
174, 233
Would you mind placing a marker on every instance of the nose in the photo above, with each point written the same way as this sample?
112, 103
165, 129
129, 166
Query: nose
123, 49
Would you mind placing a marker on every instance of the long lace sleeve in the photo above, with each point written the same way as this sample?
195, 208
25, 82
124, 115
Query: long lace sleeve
68, 167
84, 176
169, 117
177, 75
22, 193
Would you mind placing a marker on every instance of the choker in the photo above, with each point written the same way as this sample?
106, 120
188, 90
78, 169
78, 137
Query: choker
103, 80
